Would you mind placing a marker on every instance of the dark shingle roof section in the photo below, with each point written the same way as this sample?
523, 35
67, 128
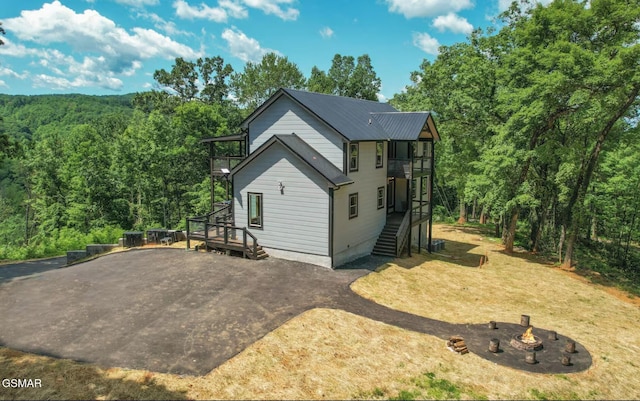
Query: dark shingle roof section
402, 126
348, 116
314, 159
306, 153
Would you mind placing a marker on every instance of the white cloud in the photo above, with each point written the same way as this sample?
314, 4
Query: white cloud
186, 11
273, 7
326, 32
426, 43
6, 72
169, 27
138, 3
234, 9
244, 47
453, 23
427, 8
108, 50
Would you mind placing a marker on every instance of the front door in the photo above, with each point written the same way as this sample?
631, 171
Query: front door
391, 195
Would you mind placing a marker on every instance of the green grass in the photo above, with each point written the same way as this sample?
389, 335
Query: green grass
427, 386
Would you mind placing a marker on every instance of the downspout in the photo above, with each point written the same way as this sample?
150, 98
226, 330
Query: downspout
212, 177
431, 182
331, 226
410, 198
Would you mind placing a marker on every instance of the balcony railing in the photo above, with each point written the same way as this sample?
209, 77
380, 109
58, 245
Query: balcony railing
225, 162
404, 168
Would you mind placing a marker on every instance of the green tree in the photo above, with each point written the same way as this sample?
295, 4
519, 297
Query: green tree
258, 81
347, 78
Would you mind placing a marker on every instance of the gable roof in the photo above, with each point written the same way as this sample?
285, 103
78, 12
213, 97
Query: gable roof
354, 119
306, 154
403, 126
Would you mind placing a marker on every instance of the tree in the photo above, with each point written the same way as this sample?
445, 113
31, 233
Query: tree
215, 76
257, 82
319, 81
182, 80
346, 78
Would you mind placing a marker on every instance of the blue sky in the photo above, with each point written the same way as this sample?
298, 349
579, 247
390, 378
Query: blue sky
114, 46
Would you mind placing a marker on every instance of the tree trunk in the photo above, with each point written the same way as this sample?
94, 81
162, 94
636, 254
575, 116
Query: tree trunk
594, 228
483, 215
563, 233
463, 212
473, 209
584, 178
509, 233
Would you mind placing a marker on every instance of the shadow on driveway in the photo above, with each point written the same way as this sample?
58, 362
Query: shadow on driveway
31, 267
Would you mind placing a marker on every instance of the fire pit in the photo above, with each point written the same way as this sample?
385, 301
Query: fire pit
526, 341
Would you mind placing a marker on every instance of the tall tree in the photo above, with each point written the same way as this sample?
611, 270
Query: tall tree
258, 81
215, 75
182, 79
347, 78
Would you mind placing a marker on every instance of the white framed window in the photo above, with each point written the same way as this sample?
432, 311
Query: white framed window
255, 209
379, 154
380, 197
353, 205
353, 156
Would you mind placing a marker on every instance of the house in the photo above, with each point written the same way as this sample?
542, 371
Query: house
326, 179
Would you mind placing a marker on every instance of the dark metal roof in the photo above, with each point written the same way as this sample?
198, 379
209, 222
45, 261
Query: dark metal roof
304, 152
403, 126
348, 116
356, 119
227, 138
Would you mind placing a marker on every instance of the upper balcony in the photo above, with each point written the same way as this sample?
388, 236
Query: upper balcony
406, 168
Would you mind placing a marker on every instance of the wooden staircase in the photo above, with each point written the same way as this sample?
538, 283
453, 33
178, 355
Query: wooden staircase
386, 244
217, 231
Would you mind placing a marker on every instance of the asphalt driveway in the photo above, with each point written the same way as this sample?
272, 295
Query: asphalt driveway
161, 310
168, 310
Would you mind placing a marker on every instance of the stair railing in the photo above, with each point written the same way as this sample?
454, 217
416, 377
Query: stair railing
402, 234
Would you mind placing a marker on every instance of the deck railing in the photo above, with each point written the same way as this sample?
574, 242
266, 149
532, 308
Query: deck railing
218, 226
403, 233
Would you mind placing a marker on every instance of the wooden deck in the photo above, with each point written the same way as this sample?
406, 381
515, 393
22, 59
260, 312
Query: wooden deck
215, 240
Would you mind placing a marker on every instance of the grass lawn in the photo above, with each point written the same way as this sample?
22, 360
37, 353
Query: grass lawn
336, 355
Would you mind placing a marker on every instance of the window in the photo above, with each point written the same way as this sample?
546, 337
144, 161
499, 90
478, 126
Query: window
353, 157
379, 153
353, 205
255, 210
380, 197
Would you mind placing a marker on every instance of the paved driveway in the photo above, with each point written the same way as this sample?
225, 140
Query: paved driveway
161, 310
168, 310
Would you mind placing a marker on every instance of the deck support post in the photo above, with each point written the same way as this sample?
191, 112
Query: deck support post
188, 241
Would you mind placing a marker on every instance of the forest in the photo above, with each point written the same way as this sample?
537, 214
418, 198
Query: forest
538, 119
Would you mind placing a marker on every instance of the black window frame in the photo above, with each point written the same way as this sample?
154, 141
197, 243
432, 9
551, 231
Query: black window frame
351, 196
380, 199
260, 209
357, 156
380, 155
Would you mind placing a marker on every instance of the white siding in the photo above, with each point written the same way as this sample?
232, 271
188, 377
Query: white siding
295, 220
356, 237
284, 117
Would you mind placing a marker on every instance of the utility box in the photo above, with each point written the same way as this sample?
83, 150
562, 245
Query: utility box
132, 238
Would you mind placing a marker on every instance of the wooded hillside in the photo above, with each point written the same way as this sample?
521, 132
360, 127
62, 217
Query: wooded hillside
539, 126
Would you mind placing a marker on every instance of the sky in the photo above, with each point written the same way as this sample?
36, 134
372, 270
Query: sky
107, 47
